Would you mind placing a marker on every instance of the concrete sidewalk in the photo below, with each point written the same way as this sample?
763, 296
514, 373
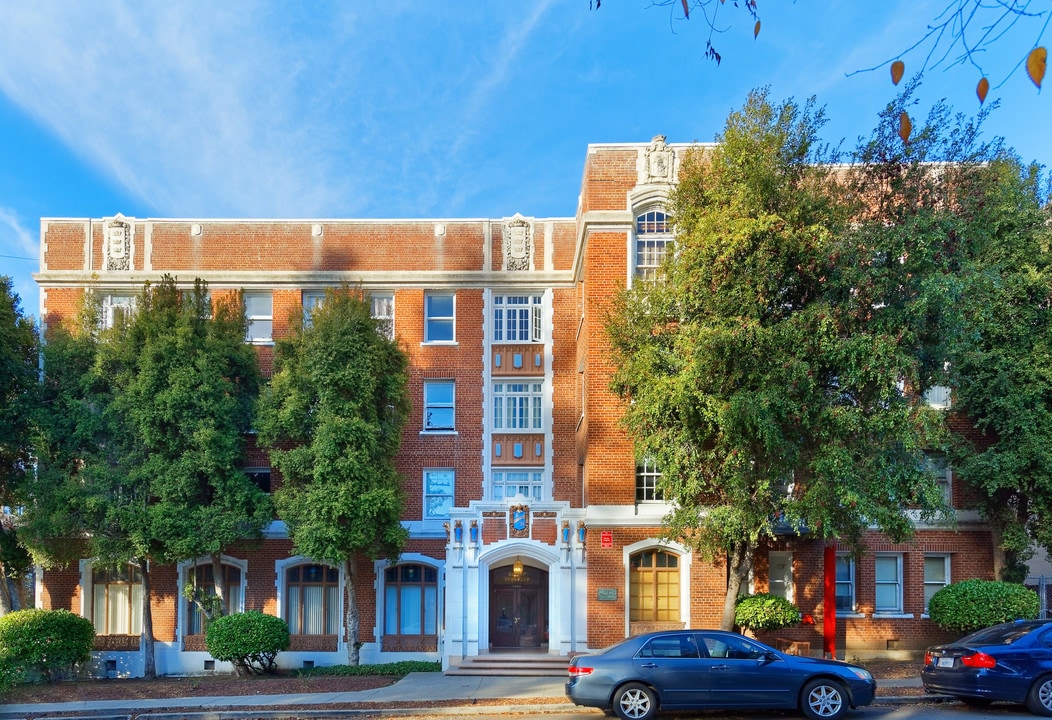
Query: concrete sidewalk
411, 688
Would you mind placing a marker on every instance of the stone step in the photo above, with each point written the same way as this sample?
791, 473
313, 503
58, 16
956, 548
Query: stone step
512, 666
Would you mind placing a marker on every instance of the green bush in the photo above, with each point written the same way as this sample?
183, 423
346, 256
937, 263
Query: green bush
973, 604
250, 641
403, 667
45, 644
762, 611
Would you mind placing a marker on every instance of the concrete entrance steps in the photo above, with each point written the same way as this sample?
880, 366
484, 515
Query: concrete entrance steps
513, 665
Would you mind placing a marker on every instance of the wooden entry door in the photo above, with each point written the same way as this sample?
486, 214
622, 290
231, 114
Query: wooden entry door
518, 609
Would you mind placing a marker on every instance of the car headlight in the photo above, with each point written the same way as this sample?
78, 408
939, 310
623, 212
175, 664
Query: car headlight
862, 674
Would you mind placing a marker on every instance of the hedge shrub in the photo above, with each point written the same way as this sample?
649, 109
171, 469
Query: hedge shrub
44, 644
973, 604
763, 611
250, 641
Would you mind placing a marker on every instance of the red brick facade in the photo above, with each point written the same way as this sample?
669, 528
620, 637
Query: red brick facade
576, 523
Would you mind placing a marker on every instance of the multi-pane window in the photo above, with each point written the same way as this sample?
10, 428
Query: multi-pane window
509, 484
411, 600
780, 574
259, 311
517, 405
845, 583
116, 595
383, 314
653, 234
438, 493
311, 302
647, 479
117, 309
204, 580
311, 605
517, 318
941, 467
260, 477
936, 575
654, 593
439, 317
439, 411
939, 396
888, 572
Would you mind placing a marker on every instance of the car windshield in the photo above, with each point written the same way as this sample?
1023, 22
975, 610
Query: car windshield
998, 635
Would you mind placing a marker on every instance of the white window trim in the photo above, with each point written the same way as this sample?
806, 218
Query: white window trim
637, 236
427, 318
945, 557
249, 318
884, 612
453, 405
432, 519
531, 395
87, 583
112, 301
379, 566
280, 566
853, 612
542, 484
790, 582
534, 308
183, 568
686, 558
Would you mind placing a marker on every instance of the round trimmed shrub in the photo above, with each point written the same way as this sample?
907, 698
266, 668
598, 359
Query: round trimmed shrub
250, 641
763, 611
973, 604
48, 644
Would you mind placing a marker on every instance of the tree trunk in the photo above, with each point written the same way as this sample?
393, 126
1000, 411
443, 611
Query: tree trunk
6, 602
352, 619
149, 665
739, 564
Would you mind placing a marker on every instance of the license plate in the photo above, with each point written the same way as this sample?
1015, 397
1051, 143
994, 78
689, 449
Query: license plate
944, 662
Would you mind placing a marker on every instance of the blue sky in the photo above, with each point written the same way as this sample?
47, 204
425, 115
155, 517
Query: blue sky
392, 109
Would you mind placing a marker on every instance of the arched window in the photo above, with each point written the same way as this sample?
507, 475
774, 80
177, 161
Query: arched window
203, 579
116, 600
653, 233
312, 606
654, 586
411, 600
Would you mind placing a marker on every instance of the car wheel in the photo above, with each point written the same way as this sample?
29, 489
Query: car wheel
1039, 699
823, 699
635, 702
974, 701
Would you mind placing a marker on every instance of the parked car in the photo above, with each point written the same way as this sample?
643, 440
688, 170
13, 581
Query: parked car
1011, 662
712, 669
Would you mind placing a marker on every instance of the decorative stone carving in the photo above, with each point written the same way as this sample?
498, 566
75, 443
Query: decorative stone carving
117, 244
518, 243
658, 162
519, 521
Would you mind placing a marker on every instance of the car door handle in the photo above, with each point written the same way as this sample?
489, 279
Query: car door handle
649, 666
720, 667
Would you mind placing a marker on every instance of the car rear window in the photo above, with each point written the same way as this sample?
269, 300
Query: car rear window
998, 635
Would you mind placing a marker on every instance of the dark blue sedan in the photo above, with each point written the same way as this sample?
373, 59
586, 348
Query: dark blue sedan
712, 669
1010, 662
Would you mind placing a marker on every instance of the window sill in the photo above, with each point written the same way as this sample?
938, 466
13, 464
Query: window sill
892, 616
850, 615
439, 432
439, 343
260, 342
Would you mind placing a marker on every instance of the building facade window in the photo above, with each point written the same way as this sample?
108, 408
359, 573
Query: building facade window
936, 576
439, 317
508, 484
518, 405
888, 574
411, 600
647, 480
654, 592
439, 408
383, 310
204, 580
312, 600
260, 477
311, 301
940, 465
517, 318
259, 311
653, 234
845, 583
116, 600
438, 493
780, 574
116, 309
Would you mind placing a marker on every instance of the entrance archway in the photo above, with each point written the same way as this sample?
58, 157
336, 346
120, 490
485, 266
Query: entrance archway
518, 607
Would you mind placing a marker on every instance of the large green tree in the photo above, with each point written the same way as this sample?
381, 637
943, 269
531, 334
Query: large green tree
1001, 361
332, 418
142, 441
763, 383
18, 385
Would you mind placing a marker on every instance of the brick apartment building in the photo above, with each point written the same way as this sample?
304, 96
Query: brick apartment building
531, 525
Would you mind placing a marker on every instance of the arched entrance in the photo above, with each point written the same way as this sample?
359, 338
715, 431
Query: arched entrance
518, 608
